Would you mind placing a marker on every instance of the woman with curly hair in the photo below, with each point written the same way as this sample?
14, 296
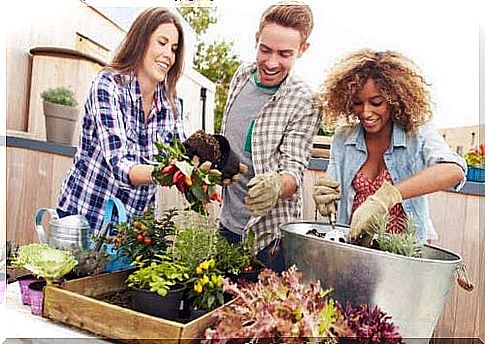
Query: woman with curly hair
387, 156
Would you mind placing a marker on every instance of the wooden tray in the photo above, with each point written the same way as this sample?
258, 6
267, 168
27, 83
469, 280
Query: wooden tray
72, 303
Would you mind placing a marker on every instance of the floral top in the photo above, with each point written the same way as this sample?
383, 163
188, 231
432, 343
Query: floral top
364, 187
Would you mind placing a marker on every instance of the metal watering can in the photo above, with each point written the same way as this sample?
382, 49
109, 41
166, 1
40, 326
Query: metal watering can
65, 233
412, 290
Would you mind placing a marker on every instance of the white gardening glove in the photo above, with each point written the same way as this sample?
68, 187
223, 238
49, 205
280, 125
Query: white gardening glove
263, 193
367, 217
325, 192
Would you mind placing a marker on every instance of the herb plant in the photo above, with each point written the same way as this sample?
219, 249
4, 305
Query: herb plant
404, 243
59, 95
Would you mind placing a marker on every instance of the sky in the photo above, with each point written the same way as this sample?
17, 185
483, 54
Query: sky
441, 37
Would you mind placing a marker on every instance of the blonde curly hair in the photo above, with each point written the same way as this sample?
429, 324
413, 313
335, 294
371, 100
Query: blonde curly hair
396, 76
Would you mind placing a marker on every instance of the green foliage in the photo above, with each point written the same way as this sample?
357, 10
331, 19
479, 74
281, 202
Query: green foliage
90, 262
44, 261
157, 275
404, 243
145, 236
207, 292
216, 61
59, 95
198, 17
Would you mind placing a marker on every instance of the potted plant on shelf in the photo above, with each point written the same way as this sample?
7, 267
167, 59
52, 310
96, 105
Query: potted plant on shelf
475, 159
157, 287
60, 114
46, 263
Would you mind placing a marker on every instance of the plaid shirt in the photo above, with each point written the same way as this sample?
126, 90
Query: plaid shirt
281, 141
114, 138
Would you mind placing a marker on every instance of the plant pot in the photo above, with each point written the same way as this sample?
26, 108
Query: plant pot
24, 282
36, 294
197, 313
60, 123
166, 307
475, 174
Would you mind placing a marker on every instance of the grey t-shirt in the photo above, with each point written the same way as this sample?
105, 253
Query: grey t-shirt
239, 124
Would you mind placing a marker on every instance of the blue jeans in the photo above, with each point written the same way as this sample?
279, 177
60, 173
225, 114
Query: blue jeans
271, 256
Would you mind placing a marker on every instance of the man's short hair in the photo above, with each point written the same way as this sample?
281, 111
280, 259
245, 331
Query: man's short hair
289, 13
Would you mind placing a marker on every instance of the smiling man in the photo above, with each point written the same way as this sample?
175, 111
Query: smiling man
270, 120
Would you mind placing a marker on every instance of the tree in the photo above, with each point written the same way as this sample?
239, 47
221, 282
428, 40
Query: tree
216, 60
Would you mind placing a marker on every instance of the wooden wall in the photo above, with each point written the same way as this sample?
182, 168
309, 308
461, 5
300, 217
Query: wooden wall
34, 178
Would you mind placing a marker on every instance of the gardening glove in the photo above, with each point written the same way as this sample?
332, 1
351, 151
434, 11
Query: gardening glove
325, 192
367, 217
263, 193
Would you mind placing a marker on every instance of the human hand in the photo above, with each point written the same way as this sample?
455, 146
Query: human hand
366, 217
263, 193
325, 192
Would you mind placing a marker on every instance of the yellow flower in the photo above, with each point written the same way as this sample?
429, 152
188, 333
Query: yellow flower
204, 280
212, 263
198, 287
204, 265
198, 270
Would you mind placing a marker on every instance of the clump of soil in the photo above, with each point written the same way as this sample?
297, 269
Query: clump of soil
119, 298
205, 146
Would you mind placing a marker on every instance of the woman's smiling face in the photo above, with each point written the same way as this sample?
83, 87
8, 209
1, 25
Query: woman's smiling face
372, 108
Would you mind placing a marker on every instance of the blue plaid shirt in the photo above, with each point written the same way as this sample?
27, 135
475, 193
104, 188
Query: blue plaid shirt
114, 138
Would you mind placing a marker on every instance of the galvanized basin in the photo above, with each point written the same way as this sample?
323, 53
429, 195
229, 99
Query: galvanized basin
412, 290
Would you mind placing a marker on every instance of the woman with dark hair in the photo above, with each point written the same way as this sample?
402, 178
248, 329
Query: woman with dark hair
387, 157
131, 104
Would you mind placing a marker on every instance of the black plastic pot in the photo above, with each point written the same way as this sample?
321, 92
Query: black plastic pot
166, 307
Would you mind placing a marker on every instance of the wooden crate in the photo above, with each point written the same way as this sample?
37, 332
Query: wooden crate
72, 303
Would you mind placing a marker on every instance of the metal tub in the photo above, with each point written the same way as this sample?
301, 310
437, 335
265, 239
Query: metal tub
412, 290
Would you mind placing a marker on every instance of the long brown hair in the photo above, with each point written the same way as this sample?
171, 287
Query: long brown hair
132, 50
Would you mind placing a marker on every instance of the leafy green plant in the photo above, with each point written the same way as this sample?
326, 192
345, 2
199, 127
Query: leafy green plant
231, 258
145, 236
404, 243
207, 291
157, 275
59, 95
44, 261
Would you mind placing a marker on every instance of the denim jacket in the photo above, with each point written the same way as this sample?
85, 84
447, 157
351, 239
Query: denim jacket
407, 155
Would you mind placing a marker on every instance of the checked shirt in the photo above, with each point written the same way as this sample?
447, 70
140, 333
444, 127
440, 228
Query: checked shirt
114, 138
281, 141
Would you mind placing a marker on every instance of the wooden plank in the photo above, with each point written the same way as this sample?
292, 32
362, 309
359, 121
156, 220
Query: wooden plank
466, 302
105, 319
99, 284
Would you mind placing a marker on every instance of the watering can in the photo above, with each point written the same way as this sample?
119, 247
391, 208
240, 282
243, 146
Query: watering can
65, 233
116, 263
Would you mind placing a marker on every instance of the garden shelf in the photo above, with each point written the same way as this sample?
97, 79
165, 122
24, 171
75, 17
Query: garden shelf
73, 303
